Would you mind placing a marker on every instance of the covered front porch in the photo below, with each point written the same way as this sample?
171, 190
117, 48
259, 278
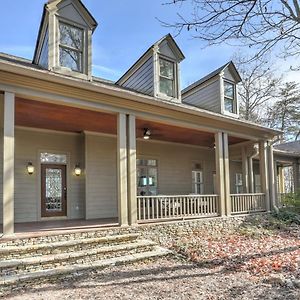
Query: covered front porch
179, 171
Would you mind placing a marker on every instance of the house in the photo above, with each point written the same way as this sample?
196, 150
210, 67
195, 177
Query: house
287, 168
136, 150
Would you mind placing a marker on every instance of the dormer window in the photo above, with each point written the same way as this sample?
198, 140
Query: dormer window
229, 97
166, 78
71, 47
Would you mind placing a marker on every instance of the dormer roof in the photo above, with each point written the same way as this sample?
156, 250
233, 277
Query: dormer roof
77, 4
231, 67
176, 51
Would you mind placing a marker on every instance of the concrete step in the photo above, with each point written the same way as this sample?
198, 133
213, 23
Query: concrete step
8, 282
68, 246
39, 263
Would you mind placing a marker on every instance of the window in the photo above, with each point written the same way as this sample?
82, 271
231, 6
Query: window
257, 187
71, 47
146, 177
166, 78
229, 97
49, 158
238, 183
197, 182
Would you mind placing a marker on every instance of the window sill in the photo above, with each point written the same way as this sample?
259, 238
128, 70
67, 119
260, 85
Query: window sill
69, 72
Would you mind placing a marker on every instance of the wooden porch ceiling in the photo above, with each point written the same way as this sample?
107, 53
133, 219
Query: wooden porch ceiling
63, 118
43, 115
176, 134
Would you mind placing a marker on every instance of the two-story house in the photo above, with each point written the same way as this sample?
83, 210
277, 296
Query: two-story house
140, 149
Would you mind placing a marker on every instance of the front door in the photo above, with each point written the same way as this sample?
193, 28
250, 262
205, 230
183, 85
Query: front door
54, 190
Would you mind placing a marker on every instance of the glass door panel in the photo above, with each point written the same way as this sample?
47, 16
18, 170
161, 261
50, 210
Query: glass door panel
53, 190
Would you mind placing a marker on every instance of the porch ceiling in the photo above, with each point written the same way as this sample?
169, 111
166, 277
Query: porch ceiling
177, 134
37, 114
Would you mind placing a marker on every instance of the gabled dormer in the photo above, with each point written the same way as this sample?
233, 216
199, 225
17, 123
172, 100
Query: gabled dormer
64, 42
216, 92
157, 73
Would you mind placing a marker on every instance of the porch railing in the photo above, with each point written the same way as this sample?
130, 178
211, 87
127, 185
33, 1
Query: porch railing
151, 208
247, 203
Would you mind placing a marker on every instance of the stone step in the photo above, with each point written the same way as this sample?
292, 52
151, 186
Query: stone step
39, 263
8, 282
69, 246
55, 236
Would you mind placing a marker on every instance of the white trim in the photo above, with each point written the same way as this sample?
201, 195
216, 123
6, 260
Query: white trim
39, 182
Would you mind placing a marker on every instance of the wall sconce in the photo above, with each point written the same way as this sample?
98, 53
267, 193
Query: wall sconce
147, 133
77, 170
30, 168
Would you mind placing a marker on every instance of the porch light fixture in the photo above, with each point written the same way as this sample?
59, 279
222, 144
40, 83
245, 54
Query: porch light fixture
77, 170
147, 133
30, 168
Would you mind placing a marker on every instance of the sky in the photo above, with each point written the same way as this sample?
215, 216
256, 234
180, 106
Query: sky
127, 28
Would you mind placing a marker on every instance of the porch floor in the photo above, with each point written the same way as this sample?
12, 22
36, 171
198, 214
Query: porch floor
46, 228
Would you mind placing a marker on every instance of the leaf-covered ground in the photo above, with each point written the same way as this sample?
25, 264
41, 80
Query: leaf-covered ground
259, 260
260, 250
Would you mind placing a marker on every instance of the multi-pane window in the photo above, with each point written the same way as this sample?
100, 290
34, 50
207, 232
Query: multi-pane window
71, 47
198, 183
229, 97
146, 177
166, 77
238, 183
257, 184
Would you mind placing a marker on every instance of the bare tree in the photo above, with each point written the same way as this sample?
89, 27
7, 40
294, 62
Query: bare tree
258, 88
258, 24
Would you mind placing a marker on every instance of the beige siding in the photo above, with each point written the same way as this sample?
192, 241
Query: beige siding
27, 187
175, 163
101, 177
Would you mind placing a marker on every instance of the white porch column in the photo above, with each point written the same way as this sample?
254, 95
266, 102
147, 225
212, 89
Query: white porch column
122, 170
8, 163
245, 171
251, 175
272, 182
263, 166
131, 160
220, 182
226, 174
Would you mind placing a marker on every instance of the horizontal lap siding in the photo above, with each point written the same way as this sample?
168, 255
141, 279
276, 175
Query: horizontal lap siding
142, 79
207, 97
175, 163
27, 187
101, 177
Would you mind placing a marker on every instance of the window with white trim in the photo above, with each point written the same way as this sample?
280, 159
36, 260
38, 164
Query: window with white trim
229, 97
238, 183
146, 177
198, 184
71, 47
167, 77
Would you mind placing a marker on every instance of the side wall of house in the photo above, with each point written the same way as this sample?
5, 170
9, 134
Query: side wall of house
142, 79
101, 176
175, 165
206, 96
